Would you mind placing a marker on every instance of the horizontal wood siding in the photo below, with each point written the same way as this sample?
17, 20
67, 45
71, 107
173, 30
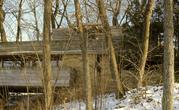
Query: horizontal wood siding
32, 77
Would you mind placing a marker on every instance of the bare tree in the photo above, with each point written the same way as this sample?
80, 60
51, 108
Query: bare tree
65, 4
47, 54
116, 12
53, 17
86, 11
111, 51
2, 16
168, 76
84, 47
33, 7
18, 35
146, 33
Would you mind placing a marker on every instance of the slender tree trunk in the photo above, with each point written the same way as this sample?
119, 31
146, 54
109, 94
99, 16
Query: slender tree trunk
111, 51
116, 12
47, 54
53, 17
67, 19
84, 47
36, 21
36, 26
168, 77
86, 11
146, 33
19, 22
64, 12
2, 17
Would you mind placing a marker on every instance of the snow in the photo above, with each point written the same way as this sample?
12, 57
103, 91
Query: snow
148, 98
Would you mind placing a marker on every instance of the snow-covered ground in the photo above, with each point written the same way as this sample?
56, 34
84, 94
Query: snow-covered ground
148, 98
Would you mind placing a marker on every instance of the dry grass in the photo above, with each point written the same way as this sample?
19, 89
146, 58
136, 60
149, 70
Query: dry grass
103, 84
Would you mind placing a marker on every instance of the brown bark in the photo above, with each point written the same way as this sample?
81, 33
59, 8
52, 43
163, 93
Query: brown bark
36, 24
84, 47
53, 16
86, 11
2, 17
47, 55
111, 51
19, 22
36, 20
146, 33
116, 12
64, 12
168, 76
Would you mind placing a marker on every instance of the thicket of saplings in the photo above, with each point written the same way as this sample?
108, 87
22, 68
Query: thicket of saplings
102, 82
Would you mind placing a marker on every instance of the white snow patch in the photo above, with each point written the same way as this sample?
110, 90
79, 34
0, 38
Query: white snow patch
148, 98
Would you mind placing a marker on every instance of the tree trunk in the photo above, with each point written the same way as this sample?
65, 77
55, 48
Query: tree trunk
116, 12
86, 11
84, 47
65, 4
33, 6
47, 55
111, 51
18, 34
53, 16
2, 17
168, 76
146, 32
